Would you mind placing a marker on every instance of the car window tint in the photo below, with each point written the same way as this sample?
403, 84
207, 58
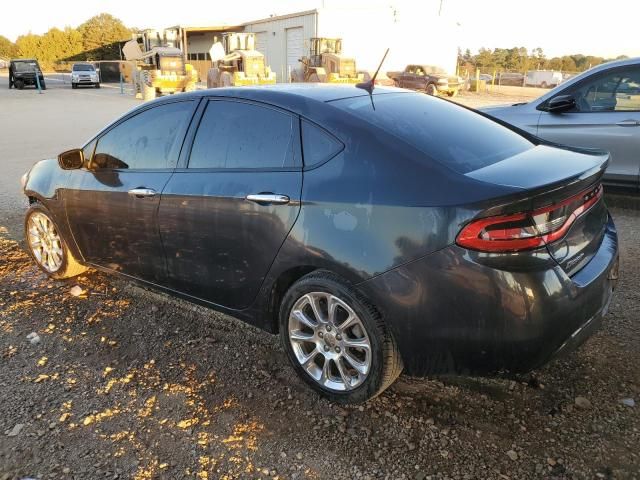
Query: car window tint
242, 135
616, 91
150, 139
317, 145
454, 136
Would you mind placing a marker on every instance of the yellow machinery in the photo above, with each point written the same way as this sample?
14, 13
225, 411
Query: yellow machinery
236, 62
327, 64
159, 71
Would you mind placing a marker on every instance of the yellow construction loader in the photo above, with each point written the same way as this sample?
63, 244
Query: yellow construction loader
327, 64
159, 71
236, 62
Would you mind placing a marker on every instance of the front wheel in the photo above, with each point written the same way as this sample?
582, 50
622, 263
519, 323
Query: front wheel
336, 340
97, 85
431, 90
47, 247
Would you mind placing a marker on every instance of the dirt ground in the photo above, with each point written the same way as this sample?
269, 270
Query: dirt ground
126, 383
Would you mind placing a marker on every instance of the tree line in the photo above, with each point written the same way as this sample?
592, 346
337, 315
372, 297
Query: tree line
519, 59
95, 39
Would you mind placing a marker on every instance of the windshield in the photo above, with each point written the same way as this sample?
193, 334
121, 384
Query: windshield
452, 135
432, 69
83, 68
25, 67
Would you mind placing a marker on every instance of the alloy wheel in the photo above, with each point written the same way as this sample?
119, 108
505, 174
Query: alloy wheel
329, 341
45, 242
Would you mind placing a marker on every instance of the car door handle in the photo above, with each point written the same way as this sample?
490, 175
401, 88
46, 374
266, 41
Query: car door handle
142, 192
268, 198
628, 123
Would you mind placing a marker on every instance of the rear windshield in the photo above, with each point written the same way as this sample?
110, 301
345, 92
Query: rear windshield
83, 68
454, 136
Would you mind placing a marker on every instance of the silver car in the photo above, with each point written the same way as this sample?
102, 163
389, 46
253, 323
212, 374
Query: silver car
599, 108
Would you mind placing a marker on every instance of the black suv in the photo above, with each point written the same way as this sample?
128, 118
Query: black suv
23, 72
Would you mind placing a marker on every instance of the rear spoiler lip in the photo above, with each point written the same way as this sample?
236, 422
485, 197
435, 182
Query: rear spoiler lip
545, 195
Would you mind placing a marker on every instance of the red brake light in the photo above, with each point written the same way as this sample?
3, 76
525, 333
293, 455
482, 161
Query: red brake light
527, 230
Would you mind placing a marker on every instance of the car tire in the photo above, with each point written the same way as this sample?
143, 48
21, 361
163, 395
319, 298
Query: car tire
431, 90
97, 85
347, 374
43, 85
46, 245
74, 85
19, 84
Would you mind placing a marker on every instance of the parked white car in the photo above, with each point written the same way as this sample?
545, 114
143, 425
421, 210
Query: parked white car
599, 108
84, 74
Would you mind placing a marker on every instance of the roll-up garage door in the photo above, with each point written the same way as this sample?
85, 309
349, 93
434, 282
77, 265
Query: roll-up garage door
294, 50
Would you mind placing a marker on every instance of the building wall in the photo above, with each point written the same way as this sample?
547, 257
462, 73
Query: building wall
273, 34
415, 34
200, 42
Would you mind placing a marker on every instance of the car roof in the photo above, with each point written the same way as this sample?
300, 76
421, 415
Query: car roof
292, 94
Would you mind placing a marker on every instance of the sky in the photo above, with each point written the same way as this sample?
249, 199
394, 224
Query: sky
559, 27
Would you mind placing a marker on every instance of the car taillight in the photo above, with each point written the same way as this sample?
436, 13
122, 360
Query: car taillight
526, 230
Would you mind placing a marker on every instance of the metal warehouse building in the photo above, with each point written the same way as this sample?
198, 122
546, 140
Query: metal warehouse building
413, 35
366, 33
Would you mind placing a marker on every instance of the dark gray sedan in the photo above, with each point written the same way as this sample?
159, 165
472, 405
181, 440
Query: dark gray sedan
373, 232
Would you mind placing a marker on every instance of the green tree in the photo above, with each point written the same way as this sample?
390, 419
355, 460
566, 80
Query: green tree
8, 49
101, 30
28, 45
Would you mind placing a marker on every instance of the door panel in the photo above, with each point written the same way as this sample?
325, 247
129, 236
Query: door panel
219, 244
112, 204
114, 229
599, 130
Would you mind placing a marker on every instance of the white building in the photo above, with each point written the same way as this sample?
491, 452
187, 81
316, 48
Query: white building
413, 35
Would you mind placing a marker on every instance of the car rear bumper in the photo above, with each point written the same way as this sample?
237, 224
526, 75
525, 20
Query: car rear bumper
451, 313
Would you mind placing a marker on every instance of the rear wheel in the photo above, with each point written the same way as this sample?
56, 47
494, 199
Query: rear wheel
19, 84
47, 247
336, 340
431, 90
43, 85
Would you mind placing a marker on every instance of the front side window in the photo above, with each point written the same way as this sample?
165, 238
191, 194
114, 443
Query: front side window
615, 91
236, 135
149, 140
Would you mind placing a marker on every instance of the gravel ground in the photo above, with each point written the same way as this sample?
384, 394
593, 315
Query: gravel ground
127, 383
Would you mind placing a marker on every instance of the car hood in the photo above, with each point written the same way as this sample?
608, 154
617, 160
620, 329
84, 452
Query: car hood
498, 109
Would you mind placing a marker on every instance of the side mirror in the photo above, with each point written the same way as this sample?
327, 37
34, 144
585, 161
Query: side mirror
71, 159
561, 103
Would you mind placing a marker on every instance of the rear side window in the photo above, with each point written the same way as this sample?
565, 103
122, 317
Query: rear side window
149, 140
237, 135
317, 145
454, 136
